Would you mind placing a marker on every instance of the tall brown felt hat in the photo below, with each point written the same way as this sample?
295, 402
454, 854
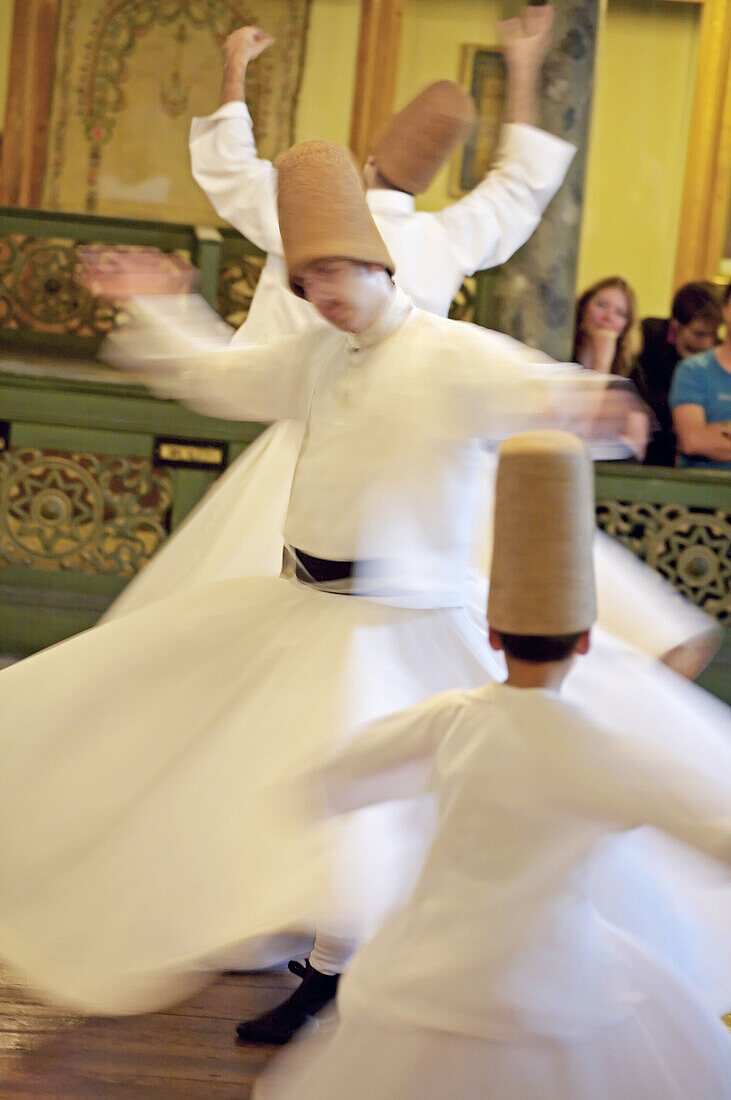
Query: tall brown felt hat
323, 213
414, 145
542, 577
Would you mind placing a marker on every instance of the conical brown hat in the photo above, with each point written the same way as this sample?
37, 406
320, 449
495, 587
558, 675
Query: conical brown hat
414, 145
542, 577
323, 213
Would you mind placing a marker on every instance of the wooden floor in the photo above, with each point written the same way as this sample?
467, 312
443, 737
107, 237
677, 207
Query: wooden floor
186, 1053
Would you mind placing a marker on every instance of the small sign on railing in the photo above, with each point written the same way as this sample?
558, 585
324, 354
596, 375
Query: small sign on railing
190, 454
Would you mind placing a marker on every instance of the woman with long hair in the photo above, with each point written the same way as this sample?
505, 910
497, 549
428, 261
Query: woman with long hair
604, 326
604, 341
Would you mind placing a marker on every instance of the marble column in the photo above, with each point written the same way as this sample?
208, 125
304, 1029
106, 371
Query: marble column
533, 293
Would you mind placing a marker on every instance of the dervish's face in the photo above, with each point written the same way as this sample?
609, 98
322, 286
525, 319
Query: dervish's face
348, 294
698, 335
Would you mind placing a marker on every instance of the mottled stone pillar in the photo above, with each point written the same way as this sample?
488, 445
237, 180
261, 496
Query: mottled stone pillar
534, 292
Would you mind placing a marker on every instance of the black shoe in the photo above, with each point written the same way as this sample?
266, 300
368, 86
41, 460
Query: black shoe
280, 1023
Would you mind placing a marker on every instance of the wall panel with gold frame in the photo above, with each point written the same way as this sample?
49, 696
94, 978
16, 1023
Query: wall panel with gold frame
107, 131
482, 75
706, 210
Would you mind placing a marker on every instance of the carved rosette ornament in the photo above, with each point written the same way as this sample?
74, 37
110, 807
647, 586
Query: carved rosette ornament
81, 512
39, 291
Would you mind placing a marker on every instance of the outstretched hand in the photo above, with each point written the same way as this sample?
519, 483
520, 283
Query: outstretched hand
525, 40
118, 273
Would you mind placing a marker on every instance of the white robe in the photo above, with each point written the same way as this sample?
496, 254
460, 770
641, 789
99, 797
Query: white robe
497, 977
143, 805
237, 527
433, 252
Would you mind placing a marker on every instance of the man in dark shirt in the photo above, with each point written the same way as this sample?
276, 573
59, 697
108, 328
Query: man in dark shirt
692, 327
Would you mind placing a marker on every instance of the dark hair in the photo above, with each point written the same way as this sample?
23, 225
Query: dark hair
696, 301
727, 293
626, 343
540, 648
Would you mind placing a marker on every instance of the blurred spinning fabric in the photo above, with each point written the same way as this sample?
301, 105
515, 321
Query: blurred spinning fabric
148, 815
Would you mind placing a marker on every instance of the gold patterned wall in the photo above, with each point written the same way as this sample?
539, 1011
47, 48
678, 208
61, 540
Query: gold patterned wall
130, 76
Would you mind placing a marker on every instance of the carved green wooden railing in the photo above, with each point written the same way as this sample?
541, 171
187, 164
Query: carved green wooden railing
42, 303
94, 475
678, 521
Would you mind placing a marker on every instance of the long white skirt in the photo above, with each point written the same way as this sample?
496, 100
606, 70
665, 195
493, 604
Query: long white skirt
666, 1047
146, 814
145, 822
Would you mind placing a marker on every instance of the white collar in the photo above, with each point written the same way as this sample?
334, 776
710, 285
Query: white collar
384, 200
394, 313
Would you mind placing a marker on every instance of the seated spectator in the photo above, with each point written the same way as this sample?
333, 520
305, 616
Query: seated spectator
692, 328
604, 328
700, 399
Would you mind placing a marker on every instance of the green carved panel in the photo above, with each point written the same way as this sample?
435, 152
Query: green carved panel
688, 546
41, 304
39, 292
81, 512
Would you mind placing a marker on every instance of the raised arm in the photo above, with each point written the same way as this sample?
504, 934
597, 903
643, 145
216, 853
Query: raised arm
179, 347
241, 187
501, 213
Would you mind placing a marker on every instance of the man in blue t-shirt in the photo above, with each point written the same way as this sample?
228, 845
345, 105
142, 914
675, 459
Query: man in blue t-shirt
700, 399
691, 328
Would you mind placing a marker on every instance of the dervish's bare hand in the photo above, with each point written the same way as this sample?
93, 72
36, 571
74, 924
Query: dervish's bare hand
245, 44
525, 40
118, 273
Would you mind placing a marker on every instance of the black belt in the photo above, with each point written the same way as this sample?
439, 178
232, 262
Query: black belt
322, 570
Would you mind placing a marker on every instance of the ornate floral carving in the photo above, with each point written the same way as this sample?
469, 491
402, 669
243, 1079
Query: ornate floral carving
103, 74
689, 546
39, 291
82, 512
237, 282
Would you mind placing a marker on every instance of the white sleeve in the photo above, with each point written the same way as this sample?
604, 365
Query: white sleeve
391, 759
491, 223
495, 386
179, 347
500, 387
634, 784
241, 187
